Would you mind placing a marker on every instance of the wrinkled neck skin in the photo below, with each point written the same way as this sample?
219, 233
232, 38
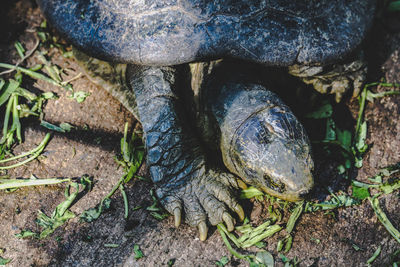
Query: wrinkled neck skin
262, 141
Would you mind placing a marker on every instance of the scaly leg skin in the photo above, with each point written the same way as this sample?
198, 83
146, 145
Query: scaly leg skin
334, 79
174, 156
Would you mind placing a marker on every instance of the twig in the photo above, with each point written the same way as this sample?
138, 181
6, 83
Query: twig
27, 55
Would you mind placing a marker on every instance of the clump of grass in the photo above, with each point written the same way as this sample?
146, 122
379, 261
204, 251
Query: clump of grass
19, 102
359, 146
132, 152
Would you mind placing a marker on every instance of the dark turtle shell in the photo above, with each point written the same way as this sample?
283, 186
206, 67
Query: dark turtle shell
169, 32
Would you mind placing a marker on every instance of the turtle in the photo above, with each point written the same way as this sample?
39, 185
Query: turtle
261, 142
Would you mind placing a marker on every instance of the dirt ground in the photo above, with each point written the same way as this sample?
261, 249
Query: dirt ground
319, 239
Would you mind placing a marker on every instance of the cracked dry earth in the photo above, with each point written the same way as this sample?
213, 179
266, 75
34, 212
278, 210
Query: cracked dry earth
91, 147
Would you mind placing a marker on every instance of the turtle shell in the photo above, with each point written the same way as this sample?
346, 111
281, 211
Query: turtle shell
170, 32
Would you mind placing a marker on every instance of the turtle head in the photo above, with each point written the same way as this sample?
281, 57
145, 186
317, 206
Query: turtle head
270, 150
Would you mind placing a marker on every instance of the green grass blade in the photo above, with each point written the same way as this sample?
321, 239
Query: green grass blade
7, 88
294, 216
383, 218
34, 154
271, 230
6, 120
34, 75
16, 123
374, 256
228, 245
20, 49
230, 235
17, 183
126, 203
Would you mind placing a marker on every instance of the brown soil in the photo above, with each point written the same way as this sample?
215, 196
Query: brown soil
91, 147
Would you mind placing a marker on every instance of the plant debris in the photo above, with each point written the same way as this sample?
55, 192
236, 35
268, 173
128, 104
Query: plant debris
132, 153
61, 214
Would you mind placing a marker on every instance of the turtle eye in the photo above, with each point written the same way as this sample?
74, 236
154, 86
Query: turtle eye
276, 186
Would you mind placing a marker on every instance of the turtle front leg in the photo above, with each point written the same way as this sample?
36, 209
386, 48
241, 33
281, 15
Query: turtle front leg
174, 156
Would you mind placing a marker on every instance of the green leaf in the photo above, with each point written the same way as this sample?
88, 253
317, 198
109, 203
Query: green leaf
250, 193
51, 224
376, 179
394, 6
294, 216
93, 214
315, 240
138, 253
325, 111
383, 218
288, 244
20, 49
279, 245
26, 234
330, 134
335, 202
344, 138
361, 137
159, 216
36, 67
358, 162
171, 262
4, 261
134, 165
61, 214
80, 96
111, 245
66, 126
363, 185
284, 258
265, 258
269, 231
356, 247
389, 187
223, 261
360, 193
51, 126
260, 244
49, 95
125, 151
7, 89
374, 256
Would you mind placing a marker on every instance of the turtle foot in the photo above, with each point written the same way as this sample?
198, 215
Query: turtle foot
333, 79
209, 196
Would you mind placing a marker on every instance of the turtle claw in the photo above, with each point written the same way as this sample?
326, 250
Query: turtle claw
241, 184
205, 197
203, 229
228, 221
240, 212
177, 217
